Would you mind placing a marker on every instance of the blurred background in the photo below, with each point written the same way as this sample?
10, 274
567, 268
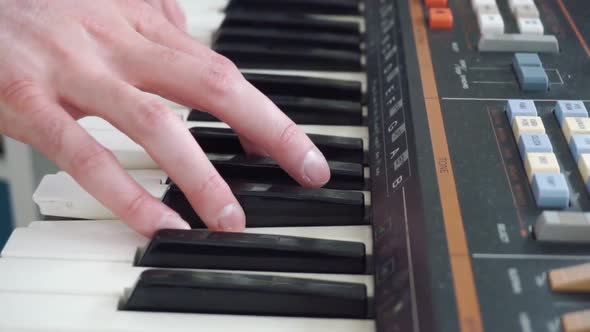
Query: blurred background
21, 169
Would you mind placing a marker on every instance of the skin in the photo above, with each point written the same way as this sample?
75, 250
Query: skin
61, 60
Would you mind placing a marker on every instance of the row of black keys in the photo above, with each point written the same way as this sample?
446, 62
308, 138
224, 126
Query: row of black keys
204, 292
308, 100
299, 45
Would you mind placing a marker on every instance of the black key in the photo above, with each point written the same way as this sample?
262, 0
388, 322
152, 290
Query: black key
225, 141
254, 57
264, 170
289, 22
276, 206
308, 87
204, 249
278, 38
308, 111
334, 7
242, 294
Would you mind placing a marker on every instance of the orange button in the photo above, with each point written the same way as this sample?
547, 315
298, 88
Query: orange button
440, 18
436, 3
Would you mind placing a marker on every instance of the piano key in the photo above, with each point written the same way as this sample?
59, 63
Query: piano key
308, 111
109, 278
279, 38
265, 170
334, 148
288, 22
305, 58
332, 75
25, 312
113, 241
275, 206
204, 249
570, 279
333, 7
231, 293
309, 87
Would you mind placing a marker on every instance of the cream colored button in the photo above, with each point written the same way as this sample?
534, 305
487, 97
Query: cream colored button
571, 279
576, 321
527, 125
537, 162
577, 125
584, 166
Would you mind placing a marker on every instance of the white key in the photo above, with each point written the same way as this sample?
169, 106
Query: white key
517, 3
108, 278
114, 242
60, 195
490, 24
28, 312
530, 26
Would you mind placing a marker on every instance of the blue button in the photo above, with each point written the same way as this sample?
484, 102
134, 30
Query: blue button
579, 143
526, 60
528, 143
570, 108
519, 107
532, 78
551, 190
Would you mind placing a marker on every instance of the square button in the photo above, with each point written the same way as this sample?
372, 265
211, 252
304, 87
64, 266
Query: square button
490, 24
488, 9
530, 26
527, 125
518, 3
541, 162
573, 126
579, 144
551, 190
570, 108
532, 78
518, 107
584, 166
526, 59
480, 3
526, 11
534, 143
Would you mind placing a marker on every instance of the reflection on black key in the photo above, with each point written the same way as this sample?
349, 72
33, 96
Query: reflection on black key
308, 87
288, 22
275, 37
265, 170
308, 111
335, 7
334, 148
204, 249
242, 294
275, 206
254, 57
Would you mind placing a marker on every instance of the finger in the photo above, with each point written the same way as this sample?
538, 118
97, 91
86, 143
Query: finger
52, 131
166, 139
252, 149
212, 83
175, 14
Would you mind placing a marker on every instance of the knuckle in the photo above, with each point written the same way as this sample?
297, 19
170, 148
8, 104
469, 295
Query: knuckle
222, 75
167, 55
89, 157
151, 115
212, 182
24, 95
136, 205
288, 134
147, 18
50, 134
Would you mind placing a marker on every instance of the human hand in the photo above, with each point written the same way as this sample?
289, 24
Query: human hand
172, 11
64, 59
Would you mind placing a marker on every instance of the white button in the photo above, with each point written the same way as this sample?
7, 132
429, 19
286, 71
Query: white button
488, 9
517, 3
573, 126
527, 125
584, 166
530, 26
490, 24
540, 162
526, 11
479, 3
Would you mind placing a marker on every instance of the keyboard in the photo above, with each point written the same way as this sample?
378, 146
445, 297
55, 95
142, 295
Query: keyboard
458, 138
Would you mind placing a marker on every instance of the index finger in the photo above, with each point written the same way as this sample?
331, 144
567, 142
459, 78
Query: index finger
211, 82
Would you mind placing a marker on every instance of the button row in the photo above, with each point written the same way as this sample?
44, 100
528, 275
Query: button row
549, 186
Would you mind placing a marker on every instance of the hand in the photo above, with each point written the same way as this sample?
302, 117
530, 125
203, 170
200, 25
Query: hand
172, 11
64, 59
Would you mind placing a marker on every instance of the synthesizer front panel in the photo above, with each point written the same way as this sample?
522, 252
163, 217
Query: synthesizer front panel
454, 206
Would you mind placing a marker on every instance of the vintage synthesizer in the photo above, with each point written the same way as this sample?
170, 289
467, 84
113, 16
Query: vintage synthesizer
458, 136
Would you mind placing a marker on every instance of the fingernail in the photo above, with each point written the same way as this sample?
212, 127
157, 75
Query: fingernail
231, 218
315, 168
173, 222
